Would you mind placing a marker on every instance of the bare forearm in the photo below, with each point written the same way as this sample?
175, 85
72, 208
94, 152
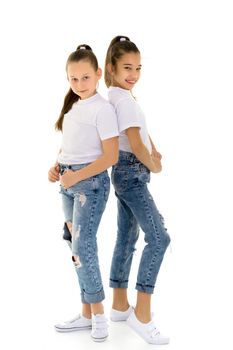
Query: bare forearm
97, 167
142, 154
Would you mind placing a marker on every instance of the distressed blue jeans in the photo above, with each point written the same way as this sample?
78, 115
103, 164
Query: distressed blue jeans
136, 208
83, 206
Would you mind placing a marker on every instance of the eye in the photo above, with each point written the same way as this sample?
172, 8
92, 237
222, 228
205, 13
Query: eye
74, 79
86, 77
128, 68
139, 68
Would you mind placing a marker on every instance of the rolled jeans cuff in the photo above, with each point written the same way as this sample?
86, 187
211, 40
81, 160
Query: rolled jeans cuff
92, 298
145, 288
118, 284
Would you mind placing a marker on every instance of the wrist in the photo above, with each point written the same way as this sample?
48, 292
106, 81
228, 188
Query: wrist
77, 176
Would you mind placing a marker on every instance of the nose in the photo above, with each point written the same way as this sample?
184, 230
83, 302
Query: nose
79, 84
135, 74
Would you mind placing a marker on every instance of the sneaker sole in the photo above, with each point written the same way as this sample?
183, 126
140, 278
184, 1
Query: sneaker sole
99, 340
118, 319
75, 329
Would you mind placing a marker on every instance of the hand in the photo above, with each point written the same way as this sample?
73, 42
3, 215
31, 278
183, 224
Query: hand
53, 174
156, 159
156, 154
157, 166
69, 178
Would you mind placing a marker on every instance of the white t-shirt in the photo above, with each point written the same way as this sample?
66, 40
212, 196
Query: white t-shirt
86, 124
129, 114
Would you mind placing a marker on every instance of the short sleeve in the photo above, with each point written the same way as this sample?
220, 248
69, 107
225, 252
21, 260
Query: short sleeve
106, 122
128, 113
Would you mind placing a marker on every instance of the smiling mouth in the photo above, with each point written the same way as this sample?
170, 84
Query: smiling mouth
131, 81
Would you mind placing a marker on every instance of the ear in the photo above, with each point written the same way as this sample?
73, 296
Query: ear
110, 69
99, 73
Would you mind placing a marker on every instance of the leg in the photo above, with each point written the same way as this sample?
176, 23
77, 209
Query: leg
69, 224
67, 204
144, 209
86, 310
81, 321
97, 309
120, 299
89, 203
88, 209
143, 307
157, 241
127, 237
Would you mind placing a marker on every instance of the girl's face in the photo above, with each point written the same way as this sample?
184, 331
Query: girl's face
127, 71
83, 78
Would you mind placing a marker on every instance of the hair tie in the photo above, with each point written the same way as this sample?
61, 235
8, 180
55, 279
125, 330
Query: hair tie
82, 48
123, 39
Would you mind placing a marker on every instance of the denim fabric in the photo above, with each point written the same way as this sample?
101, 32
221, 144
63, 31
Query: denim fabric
83, 205
136, 208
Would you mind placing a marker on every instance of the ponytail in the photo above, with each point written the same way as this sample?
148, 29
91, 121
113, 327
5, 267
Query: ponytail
69, 100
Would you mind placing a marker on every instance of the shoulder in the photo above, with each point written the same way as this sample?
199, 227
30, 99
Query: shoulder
117, 95
104, 104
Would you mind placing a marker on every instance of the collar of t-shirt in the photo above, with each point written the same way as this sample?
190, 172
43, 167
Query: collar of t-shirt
89, 99
123, 91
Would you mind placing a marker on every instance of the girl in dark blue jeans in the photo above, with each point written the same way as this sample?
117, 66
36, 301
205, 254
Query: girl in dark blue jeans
136, 208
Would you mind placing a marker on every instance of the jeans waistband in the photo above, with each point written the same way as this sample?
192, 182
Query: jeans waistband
128, 162
127, 158
63, 167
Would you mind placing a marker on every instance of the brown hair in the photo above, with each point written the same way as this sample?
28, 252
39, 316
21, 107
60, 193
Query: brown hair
117, 48
83, 52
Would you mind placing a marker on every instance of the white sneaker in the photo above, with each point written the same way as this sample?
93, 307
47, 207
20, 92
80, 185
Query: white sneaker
147, 331
76, 324
117, 316
99, 331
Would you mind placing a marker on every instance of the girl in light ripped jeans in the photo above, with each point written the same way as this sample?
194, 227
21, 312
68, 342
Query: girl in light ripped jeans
89, 146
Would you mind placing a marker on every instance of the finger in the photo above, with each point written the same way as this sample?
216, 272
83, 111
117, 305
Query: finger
55, 171
53, 175
52, 179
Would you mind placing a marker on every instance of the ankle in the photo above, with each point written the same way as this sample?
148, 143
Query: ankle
142, 316
120, 307
86, 311
86, 314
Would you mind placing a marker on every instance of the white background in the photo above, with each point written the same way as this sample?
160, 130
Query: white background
186, 92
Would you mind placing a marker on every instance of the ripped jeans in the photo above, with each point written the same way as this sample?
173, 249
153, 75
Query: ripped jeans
136, 208
83, 206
